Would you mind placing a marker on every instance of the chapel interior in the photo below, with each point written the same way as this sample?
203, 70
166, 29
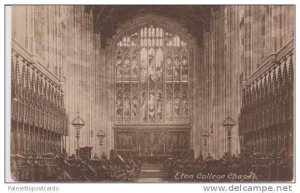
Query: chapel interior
119, 89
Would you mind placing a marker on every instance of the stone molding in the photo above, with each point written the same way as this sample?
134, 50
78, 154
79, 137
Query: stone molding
154, 19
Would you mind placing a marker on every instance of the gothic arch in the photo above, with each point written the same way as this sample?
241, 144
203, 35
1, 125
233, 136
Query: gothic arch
172, 51
182, 128
162, 21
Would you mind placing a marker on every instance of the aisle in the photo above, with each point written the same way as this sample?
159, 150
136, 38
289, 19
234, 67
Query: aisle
151, 173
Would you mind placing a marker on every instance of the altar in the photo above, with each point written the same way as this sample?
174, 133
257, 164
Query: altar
152, 143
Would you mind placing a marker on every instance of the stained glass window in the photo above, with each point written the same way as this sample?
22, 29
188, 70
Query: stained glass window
151, 78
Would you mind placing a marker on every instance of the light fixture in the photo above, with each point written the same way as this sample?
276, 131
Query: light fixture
228, 123
78, 122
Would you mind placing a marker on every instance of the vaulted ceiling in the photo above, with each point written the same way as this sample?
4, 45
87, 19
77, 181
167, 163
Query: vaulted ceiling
107, 18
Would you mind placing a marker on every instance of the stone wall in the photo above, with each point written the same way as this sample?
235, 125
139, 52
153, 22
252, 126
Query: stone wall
236, 44
62, 41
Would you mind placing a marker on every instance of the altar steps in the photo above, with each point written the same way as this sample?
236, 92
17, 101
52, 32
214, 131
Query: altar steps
151, 173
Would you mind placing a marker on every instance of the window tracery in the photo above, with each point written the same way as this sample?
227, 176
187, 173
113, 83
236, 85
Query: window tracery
151, 77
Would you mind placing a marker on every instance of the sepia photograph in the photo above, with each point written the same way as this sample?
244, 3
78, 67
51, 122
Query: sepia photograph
151, 94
